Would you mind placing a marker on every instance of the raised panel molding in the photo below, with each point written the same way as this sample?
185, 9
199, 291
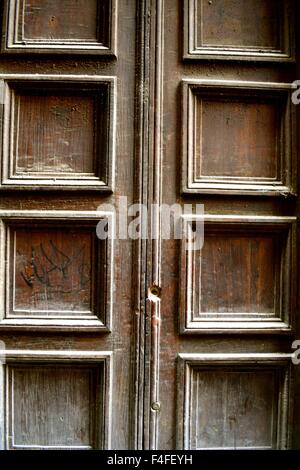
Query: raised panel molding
58, 132
234, 401
242, 279
257, 114
254, 122
56, 274
49, 27
63, 400
220, 30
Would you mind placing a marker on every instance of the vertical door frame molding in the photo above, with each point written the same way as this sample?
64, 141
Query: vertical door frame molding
147, 264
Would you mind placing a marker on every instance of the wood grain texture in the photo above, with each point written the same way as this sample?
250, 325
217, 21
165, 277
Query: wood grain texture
72, 75
54, 20
55, 134
141, 141
59, 132
233, 409
257, 124
56, 406
57, 399
256, 80
240, 279
234, 401
238, 274
218, 116
59, 275
224, 23
53, 270
50, 26
223, 29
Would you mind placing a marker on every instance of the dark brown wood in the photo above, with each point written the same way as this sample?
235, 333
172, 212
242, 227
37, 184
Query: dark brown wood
253, 123
254, 398
222, 396
221, 29
68, 396
73, 371
127, 344
70, 119
58, 400
225, 23
243, 277
59, 132
212, 383
258, 113
51, 26
53, 270
53, 21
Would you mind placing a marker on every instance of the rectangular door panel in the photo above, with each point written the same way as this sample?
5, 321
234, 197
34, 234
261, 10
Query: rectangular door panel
242, 278
74, 26
58, 274
223, 29
57, 402
233, 406
59, 133
258, 114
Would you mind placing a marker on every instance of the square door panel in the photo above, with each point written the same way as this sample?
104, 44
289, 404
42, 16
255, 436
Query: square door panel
54, 406
240, 279
58, 274
54, 134
234, 402
247, 139
255, 392
228, 29
249, 147
53, 270
51, 26
57, 400
58, 134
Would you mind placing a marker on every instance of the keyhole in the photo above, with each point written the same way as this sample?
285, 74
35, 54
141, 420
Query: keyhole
154, 292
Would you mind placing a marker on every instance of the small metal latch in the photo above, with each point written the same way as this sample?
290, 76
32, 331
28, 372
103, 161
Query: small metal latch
155, 406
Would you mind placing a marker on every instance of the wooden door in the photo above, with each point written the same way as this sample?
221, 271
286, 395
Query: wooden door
223, 323
67, 149
120, 343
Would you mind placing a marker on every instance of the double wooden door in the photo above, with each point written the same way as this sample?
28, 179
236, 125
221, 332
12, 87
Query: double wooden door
137, 342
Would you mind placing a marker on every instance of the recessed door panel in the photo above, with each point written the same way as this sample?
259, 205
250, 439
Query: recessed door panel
50, 26
259, 30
